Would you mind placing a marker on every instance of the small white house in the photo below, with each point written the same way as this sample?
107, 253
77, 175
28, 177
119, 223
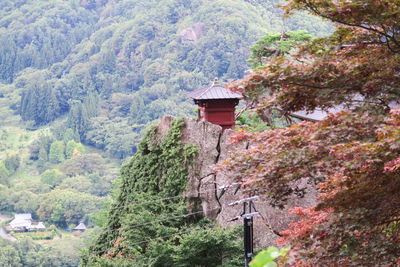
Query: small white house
37, 227
21, 221
80, 227
24, 222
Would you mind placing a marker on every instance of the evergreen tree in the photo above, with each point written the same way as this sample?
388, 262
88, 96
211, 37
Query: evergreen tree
56, 154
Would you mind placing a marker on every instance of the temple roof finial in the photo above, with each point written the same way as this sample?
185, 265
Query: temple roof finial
216, 81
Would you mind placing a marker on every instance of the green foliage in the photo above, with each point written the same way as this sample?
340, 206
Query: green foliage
63, 207
117, 137
208, 248
5, 203
23, 201
4, 174
26, 253
84, 164
266, 257
159, 169
72, 148
52, 177
40, 148
134, 70
57, 152
92, 184
274, 45
39, 33
36, 235
12, 162
251, 121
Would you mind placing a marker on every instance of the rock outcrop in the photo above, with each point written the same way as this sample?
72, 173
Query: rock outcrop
192, 33
203, 184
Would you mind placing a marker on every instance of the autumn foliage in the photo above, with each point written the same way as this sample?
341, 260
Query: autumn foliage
351, 156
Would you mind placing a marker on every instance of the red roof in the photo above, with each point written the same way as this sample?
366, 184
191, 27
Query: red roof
214, 91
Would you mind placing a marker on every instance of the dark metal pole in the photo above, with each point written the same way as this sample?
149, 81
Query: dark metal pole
247, 217
248, 234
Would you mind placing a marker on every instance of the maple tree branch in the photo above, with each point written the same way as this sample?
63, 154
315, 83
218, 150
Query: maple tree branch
385, 223
248, 106
368, 28
309, 85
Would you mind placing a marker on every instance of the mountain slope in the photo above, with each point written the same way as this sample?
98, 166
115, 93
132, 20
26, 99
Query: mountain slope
139, 57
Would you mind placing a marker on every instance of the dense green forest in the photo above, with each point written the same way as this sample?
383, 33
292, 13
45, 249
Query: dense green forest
112, 65
81, 80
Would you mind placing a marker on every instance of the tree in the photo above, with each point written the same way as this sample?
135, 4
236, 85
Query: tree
274, 45
9, 257
52, 177
84, 164
12, 162
64, 207
29, 254
73, 148
353, 155
24, 201
4, 174
78, 119
209, 248
56, 153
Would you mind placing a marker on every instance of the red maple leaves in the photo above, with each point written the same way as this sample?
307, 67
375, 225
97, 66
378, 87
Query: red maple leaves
352, 156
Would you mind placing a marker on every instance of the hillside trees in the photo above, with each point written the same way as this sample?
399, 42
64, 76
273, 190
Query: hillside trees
64, 207
38, 34
29, 254
137, 49
352, 156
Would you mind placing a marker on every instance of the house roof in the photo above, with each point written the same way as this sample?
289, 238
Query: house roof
319, 114
316, 115
214, 91
40, 225
20, 223
23, 216
21, 220
81, 226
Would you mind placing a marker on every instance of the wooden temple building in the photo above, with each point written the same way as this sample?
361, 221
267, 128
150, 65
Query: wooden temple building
216, 104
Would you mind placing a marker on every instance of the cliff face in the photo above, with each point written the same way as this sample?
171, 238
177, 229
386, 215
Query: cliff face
203, 184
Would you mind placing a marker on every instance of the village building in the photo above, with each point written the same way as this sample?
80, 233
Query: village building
24, 222
81, 227
37, 227
21, 221
216, 104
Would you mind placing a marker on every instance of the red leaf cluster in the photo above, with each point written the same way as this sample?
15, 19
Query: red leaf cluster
353, 157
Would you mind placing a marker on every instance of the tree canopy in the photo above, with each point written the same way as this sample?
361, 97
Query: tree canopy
353, 155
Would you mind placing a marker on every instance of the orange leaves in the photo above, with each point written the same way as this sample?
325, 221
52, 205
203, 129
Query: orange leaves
239, 137
309, 218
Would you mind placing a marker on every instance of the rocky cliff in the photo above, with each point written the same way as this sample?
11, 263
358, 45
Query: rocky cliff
203, 184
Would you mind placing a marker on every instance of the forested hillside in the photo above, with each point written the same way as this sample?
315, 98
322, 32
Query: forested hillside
119, 64
81, 79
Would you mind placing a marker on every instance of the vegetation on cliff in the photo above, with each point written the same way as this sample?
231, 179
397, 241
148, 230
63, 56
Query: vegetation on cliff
150, 223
